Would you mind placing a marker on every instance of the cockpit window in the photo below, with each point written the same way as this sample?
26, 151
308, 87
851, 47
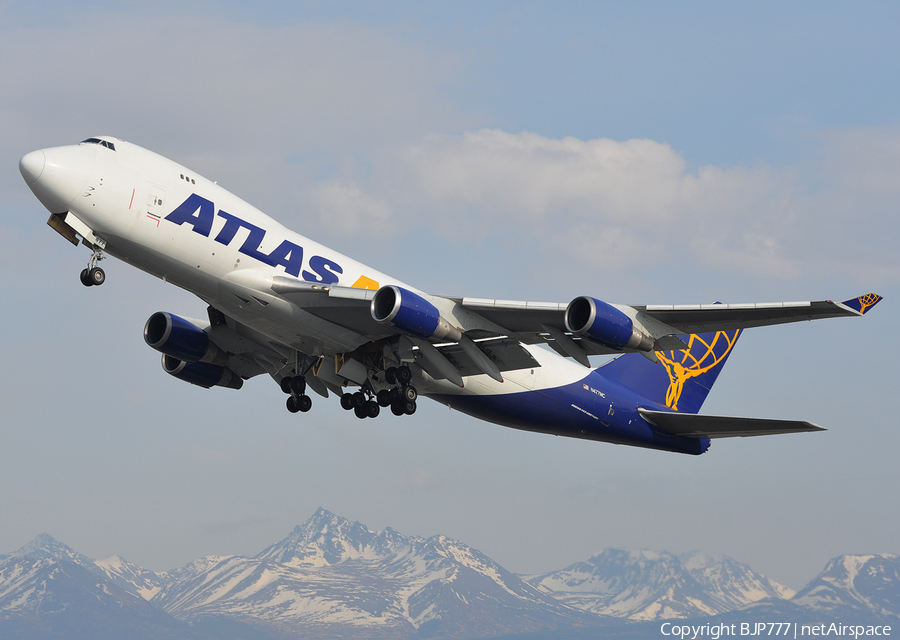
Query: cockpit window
102, 143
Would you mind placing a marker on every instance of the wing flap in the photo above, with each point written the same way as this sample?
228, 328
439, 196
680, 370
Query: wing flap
506, 354
691, 425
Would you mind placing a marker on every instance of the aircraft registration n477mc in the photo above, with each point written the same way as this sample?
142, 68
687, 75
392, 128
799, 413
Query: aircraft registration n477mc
313, 319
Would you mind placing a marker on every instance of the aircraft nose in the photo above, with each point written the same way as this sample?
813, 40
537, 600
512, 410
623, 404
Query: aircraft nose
57, 176
32, 165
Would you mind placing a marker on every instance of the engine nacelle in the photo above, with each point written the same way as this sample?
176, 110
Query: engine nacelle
411, 313
180, 339
202, 374
605, 324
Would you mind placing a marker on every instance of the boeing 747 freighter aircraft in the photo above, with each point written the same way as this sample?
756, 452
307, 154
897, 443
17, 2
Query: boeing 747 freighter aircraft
313, 319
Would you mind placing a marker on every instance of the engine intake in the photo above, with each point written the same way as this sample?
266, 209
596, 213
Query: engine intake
202, 374
181, 339
412, 314
605, 324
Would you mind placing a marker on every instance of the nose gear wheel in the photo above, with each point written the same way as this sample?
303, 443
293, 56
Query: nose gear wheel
93, 275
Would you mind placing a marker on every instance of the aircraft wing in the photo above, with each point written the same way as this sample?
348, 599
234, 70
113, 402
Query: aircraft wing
534, 321
545, 322
691, 425
724, 317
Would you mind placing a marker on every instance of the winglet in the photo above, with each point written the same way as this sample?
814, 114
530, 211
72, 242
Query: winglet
862, 303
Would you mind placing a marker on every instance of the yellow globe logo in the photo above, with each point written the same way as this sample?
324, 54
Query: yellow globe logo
867, 301
700, 357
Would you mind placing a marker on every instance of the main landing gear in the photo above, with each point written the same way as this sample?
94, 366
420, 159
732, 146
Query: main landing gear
297, 400
365, 403
401, 398
93, 275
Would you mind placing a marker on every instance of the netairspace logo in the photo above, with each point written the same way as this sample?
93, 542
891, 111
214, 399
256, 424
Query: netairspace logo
773, 629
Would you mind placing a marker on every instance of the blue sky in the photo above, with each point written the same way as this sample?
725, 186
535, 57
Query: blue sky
648, 153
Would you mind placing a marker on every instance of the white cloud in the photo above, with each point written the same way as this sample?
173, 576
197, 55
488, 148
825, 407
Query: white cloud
613, 204
637, 204
529, 176
344, 209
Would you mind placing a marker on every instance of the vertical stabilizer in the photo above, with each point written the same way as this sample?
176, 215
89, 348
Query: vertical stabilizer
680, 380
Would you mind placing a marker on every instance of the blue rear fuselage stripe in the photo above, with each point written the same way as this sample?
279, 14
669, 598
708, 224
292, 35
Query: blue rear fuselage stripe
593, 408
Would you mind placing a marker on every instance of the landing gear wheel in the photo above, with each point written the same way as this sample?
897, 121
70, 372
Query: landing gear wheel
359, 399
293, 404
397, 408
390, 376
384, 397
372, 409
97, 276
404, 375
86, 278
305, 403
298, 385
361, 412
409, 407
285, 384
347, 401
409, 394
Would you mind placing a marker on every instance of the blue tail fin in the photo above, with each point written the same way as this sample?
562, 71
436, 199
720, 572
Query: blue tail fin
680, 380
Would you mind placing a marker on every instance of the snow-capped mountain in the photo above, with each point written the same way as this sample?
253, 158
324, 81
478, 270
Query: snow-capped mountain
129, 577
332, 572
730, 582
46, 546
331, 577
653, 585
46, 596
870, 582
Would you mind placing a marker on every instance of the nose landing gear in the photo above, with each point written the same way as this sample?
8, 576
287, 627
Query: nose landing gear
93, 275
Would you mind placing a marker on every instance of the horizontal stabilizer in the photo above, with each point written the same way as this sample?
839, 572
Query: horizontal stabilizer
691, 425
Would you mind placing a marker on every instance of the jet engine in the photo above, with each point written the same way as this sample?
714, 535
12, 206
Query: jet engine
202, 374
412, 314
180, 339
605, 324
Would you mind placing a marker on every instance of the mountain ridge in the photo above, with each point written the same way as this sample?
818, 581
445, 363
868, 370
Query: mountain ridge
332, 576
